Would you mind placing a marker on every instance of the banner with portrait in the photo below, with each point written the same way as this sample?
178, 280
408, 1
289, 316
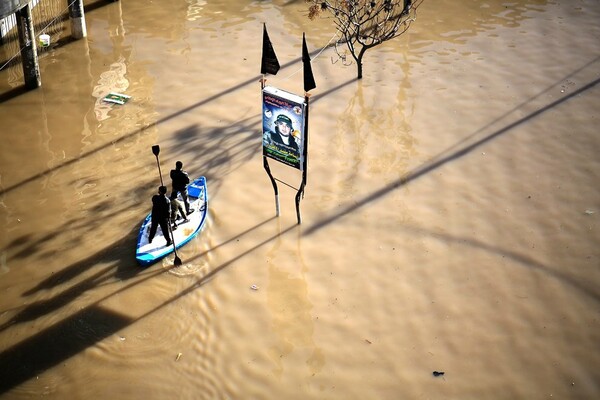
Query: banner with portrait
283, 126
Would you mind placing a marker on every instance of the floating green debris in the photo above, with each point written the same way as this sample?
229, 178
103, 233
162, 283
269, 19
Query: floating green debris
117, 98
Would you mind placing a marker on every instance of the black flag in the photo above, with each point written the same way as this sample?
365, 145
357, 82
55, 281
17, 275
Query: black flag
309, 79
269, 63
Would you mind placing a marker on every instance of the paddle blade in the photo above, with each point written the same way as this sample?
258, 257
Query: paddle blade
177, 261
156, 149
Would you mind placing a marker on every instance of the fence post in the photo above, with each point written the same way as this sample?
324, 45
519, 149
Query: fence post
77, 16
31, 68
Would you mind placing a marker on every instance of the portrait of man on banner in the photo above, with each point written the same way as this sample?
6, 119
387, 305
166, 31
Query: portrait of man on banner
283, 126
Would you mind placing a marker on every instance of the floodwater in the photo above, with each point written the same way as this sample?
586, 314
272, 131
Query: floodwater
449, 224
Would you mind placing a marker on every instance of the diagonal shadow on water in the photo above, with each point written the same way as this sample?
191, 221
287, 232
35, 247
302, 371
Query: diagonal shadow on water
82, 329
442, 160
55, 344
253, 80
521, 259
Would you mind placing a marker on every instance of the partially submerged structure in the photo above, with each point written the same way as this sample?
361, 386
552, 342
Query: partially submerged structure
17, 15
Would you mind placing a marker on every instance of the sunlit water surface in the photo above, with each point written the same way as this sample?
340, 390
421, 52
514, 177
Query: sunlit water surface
450, 221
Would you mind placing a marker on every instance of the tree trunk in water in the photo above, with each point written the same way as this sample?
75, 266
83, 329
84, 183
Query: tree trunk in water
359, 68
359, 64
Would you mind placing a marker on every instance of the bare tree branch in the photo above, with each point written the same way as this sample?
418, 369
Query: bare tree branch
364, 24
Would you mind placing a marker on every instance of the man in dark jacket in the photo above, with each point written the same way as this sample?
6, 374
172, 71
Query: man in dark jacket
161, 210
282, 135
180, 180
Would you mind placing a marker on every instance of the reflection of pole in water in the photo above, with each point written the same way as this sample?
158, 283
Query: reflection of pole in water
287, 299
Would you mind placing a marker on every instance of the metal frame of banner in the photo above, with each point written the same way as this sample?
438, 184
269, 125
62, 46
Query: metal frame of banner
300, 190
266, 164
300, 193
270, 64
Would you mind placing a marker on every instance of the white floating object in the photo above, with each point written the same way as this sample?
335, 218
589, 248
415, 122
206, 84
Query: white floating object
44, 40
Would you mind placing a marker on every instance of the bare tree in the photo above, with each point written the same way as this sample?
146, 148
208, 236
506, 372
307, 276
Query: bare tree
364, 24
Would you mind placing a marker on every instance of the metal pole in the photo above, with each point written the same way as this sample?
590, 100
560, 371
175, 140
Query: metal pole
31, 68
274, 183
266, 164
300, 193
77, 16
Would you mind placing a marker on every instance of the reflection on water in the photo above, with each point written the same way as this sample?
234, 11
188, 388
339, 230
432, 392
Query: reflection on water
195, 9
290, 308
460, 21
373, 140
113, 80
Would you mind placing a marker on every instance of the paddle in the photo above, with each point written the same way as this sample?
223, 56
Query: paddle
156, 151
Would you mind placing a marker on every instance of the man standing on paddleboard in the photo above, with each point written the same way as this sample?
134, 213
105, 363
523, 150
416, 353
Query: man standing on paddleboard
180, 180
161, 210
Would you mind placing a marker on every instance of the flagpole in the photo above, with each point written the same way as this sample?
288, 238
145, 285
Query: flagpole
269, 64
309, 84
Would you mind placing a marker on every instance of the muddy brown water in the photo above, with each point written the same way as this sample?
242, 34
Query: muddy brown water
450, 221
